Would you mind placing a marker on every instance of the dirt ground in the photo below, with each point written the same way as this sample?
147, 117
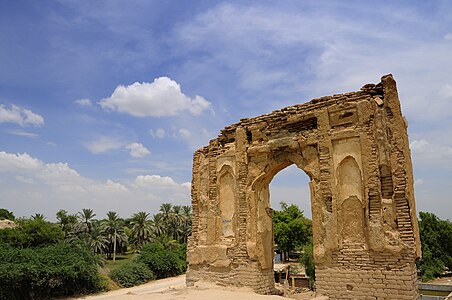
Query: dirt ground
175, 289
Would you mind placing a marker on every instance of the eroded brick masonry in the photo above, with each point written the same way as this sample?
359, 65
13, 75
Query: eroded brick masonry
354, 147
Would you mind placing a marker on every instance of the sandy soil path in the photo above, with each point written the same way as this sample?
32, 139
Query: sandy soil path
174, 289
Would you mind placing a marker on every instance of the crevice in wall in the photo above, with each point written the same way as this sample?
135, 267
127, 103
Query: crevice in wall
387, 189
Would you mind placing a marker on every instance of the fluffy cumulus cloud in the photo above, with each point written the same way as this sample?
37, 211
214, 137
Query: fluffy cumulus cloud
137, 150
30, 185
21, 116
13, 162
160, 98
83, 102
152, 181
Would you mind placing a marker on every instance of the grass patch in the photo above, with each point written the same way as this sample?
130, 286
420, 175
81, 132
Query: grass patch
120, 260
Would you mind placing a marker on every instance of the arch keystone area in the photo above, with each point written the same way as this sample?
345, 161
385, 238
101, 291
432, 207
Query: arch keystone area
354, 147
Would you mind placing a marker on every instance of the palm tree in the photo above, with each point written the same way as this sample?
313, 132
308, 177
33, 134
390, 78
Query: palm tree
158, 226
86, 217
115, 230
166, 209
168, 242
141, 228
186, 224
38, 217
66, 221
98, 241
186, 210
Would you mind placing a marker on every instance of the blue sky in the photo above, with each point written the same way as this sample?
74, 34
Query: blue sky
102, 103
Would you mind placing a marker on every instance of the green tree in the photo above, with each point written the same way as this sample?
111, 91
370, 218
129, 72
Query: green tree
66, 221
47, 272
158, 225
38, 216
86, 218
32, 233
141, 229
161, 261
6, 214
436, 239
115, 231
291, 228
98, 241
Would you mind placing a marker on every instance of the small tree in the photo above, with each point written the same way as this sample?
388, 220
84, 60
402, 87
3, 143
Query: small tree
436, 239
291, 228
6, 214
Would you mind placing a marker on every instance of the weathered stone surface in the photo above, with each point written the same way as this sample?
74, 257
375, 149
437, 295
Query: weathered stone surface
354, 148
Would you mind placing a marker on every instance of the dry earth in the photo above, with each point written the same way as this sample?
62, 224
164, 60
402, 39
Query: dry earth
174, 289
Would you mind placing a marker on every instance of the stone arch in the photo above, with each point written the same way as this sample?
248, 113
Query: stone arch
362, 203
261, 231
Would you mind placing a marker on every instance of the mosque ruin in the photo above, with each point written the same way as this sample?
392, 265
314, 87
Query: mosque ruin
354, 147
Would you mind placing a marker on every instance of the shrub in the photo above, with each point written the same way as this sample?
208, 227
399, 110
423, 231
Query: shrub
162, 262
47, 272
436, 238
307, 260
131, 273
32, 233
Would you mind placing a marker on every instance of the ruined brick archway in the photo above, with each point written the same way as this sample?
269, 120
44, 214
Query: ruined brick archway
354, 148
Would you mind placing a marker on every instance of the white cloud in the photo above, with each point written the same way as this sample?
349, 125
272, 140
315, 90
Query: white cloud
159, 133
296, 54
19, 116
11, 162
185, 133
187, 185
428, 155
137, 150
83, 102
104, 144
23, 133
30, 185
160, 98
152, 181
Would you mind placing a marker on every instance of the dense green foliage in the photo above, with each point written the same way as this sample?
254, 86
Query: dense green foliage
132, 273
436, 238
292, 229
34, 232
307, 260
162, 261
6, 214
47, 272
53, 259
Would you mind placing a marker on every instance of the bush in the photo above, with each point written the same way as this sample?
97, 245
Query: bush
131, 273
47, 272
436, 238
162, 262
307, 260
32, 233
